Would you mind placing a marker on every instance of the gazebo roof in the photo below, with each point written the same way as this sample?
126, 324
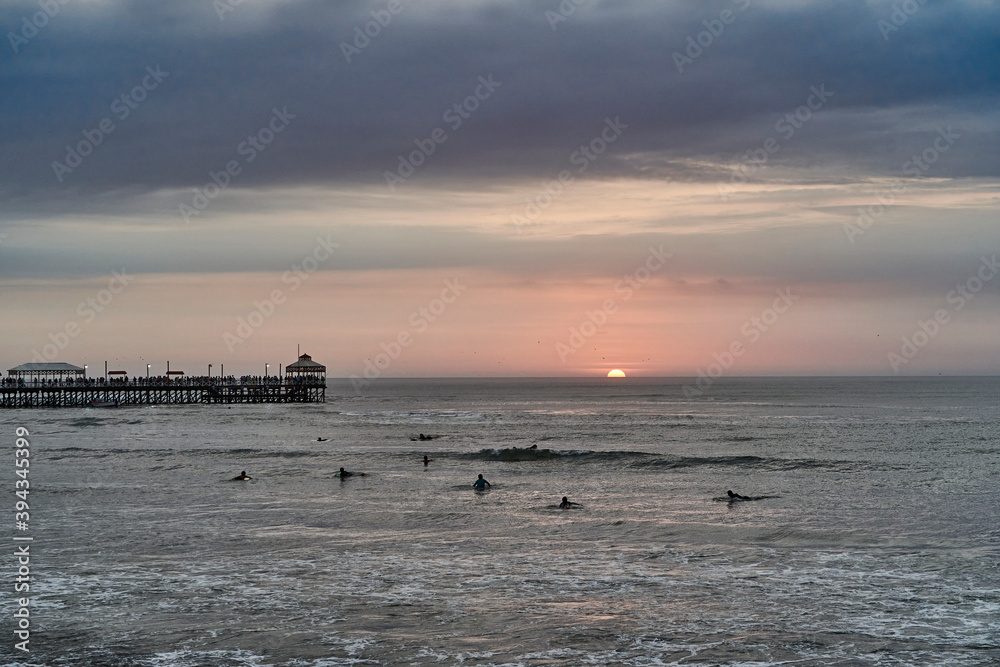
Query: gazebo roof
305, 363
58, 367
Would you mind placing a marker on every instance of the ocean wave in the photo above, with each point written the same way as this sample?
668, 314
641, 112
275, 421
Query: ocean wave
525, 454
752, 462
518, 454
84, 422
60, 453
258, 453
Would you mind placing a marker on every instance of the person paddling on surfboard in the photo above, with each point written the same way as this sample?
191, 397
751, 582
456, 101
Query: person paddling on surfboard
241, 477
481, 484
343, 473
566, 504
736, 496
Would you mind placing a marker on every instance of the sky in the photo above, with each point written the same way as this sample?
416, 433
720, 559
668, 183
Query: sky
406, 188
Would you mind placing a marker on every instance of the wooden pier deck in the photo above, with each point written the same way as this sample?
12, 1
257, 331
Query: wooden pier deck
70, 396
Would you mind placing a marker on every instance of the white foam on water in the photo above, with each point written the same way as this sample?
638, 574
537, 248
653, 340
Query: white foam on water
192, 658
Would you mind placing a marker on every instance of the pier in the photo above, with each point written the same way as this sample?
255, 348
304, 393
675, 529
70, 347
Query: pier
58, 395
65, 386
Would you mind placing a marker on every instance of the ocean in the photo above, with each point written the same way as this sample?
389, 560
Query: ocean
876, 541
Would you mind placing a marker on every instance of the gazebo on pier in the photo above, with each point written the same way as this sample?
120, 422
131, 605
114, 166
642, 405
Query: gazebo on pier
307, 370
47, 371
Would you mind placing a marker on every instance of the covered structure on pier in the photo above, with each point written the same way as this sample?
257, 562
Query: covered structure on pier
46, 371
306, 369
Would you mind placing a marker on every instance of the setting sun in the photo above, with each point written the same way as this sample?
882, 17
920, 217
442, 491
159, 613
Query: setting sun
616, 373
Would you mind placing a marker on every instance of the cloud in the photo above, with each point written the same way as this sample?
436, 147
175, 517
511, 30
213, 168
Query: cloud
354, 119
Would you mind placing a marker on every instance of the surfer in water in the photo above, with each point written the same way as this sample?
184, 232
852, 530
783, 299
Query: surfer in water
481, 484
731, 497
321, 439
427, 460
566, 504
343, 473
241, 477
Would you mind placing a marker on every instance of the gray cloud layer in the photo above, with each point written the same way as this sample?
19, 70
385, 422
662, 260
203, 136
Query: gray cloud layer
607, 59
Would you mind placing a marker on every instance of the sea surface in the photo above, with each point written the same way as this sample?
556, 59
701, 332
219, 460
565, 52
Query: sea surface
878, 541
